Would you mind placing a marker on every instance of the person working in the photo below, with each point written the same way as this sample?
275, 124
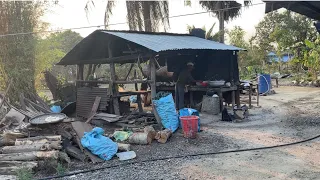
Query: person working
184, 78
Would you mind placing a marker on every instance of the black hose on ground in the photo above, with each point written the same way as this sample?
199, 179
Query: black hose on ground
180, 156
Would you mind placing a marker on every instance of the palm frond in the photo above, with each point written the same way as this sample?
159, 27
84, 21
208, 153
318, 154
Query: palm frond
232, 8
209, 32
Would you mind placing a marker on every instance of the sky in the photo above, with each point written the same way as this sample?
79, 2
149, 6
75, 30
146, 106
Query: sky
71, 14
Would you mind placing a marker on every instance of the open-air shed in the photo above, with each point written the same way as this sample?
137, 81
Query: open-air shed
212, 60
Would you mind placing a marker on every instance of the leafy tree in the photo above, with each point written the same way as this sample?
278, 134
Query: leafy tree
50, 50
141, 15
311, 57
17, 52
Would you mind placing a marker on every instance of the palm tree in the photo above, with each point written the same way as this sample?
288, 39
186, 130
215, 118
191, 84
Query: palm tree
141, 15
209, 34
232, 9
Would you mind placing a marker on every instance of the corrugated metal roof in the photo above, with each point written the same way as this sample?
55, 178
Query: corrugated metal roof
165, 42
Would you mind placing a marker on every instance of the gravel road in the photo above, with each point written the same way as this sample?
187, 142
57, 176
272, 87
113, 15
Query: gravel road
288, 116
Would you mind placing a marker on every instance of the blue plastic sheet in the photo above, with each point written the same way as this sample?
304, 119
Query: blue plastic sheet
56, 109
189, 112
98, 144
167, 112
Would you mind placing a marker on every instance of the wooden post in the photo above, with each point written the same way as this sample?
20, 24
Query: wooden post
191, 99
250, 93
233, 96
258, 94
238, 97
114, 90
153, 78
277, 82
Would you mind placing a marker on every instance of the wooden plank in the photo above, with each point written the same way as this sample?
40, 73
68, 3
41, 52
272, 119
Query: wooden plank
108, 119
94, 108
108, 115
45, 105
114, 90
153, 78
81, 128
21, 99
139, 103
36, 106
120, 59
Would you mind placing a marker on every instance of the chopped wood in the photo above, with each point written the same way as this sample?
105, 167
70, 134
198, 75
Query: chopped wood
64, 134
11, 167
163, 136
150, 130
94, 108
140, 138
29, 156
39, 140
51, 144
29, 148
75, 153
8, 138
123, 147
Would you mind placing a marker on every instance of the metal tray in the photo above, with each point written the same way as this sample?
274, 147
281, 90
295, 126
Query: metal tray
48, 118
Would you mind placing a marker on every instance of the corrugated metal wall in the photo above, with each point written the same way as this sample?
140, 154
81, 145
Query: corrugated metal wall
86, 97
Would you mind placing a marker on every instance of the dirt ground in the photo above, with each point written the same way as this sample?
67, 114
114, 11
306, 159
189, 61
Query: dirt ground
288, 116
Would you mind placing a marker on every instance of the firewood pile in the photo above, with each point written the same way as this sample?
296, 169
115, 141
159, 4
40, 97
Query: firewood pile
25, 145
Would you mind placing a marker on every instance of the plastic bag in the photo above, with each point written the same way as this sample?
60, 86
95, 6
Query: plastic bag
167, 112
189, 112
98, 144
121, 135
56, 109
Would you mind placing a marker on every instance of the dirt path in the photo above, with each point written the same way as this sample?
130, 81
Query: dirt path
288, 116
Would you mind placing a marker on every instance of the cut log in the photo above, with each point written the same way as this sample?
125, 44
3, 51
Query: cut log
29, 148
150, 130
8, 138
140, 138
29, 156
64, 134
51, 144
123, 147
10, 167
38, 140
75, 153
163, 136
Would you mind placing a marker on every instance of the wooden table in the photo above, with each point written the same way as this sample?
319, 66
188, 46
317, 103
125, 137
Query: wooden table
138, 93
218, 90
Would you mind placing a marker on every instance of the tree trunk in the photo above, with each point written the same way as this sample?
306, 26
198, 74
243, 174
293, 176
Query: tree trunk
10, 167
29, 148
29, 156
221, 23
38, 140
146, 16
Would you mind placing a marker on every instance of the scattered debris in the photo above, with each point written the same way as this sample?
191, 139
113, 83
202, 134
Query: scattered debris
123, 147
123, 156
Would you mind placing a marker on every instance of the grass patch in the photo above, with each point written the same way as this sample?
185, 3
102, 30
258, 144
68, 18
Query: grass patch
24, 174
